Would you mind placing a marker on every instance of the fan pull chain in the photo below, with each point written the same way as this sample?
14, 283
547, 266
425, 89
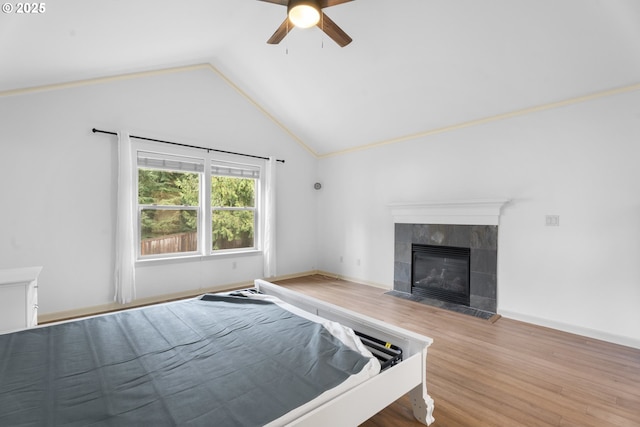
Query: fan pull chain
322, 35
286, 45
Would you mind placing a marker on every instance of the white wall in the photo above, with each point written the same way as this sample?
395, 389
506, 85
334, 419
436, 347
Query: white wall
58, 182
579, 162
57, 192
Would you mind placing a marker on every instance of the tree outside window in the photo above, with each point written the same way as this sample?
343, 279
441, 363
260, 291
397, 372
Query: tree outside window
233, 212
171, 194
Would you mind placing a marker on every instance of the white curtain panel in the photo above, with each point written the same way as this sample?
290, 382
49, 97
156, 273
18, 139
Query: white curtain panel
125, 274
270, 219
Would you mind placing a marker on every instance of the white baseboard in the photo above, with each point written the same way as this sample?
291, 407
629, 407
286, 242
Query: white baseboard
353, 279
573, 329
332, 275
292, 276
114, 306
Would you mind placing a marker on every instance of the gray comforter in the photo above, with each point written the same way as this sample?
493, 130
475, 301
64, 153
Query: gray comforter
214, 361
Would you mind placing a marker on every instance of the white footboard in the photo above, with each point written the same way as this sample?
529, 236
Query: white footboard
365, 400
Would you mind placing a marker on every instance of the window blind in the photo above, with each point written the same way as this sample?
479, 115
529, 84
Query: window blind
151, 160
236, 171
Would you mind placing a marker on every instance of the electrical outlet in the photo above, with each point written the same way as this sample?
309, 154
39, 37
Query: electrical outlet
552, 220
234, 265
358, 262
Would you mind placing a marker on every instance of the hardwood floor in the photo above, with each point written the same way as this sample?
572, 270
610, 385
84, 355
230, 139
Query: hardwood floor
506, 373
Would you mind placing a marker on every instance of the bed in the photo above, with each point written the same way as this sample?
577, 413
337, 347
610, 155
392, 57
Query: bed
267, 356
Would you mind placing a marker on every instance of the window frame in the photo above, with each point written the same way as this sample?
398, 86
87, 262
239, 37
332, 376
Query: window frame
204, 209
258, 189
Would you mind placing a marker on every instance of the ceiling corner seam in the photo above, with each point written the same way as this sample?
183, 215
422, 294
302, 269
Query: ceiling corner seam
489, 119
99, 80
263, 110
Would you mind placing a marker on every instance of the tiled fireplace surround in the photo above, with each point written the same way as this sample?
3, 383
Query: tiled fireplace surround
465, 223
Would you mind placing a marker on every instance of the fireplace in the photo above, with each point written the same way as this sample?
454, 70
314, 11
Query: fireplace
441, 272
471, 224
482, 241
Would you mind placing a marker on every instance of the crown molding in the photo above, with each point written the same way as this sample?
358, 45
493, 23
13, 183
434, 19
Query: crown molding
285, 129
171, 70
489, 119
100, 80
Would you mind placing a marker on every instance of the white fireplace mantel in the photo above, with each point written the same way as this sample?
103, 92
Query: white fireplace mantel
459, 212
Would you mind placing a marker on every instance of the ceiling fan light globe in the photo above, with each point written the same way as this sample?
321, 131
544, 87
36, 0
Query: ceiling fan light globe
304, 16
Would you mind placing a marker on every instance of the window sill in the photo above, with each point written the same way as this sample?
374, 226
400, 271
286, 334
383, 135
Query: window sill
196, 258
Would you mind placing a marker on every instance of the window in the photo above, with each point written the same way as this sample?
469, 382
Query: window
172, 192
233, 206
168, 203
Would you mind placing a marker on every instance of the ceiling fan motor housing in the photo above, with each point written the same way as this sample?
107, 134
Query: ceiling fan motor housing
304, 13
312, 3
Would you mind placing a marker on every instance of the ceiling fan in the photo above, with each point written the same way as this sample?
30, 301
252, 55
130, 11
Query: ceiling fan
307, 13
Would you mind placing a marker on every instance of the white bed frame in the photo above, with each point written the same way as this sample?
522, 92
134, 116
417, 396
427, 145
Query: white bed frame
365, 400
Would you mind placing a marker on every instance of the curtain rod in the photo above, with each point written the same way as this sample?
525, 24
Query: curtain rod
185, 145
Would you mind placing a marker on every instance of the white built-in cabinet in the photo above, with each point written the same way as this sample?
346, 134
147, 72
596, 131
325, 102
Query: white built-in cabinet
18, 298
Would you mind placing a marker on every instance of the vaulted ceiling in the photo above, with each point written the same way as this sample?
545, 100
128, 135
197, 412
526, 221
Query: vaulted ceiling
414, 67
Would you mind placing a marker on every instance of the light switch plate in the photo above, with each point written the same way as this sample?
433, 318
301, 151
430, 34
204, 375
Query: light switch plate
552, 220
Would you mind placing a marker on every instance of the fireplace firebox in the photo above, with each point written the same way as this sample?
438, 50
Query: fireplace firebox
441, 272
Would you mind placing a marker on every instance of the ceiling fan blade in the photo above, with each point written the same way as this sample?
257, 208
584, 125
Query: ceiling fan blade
281, 2
329, 3
332, 30
281, 32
